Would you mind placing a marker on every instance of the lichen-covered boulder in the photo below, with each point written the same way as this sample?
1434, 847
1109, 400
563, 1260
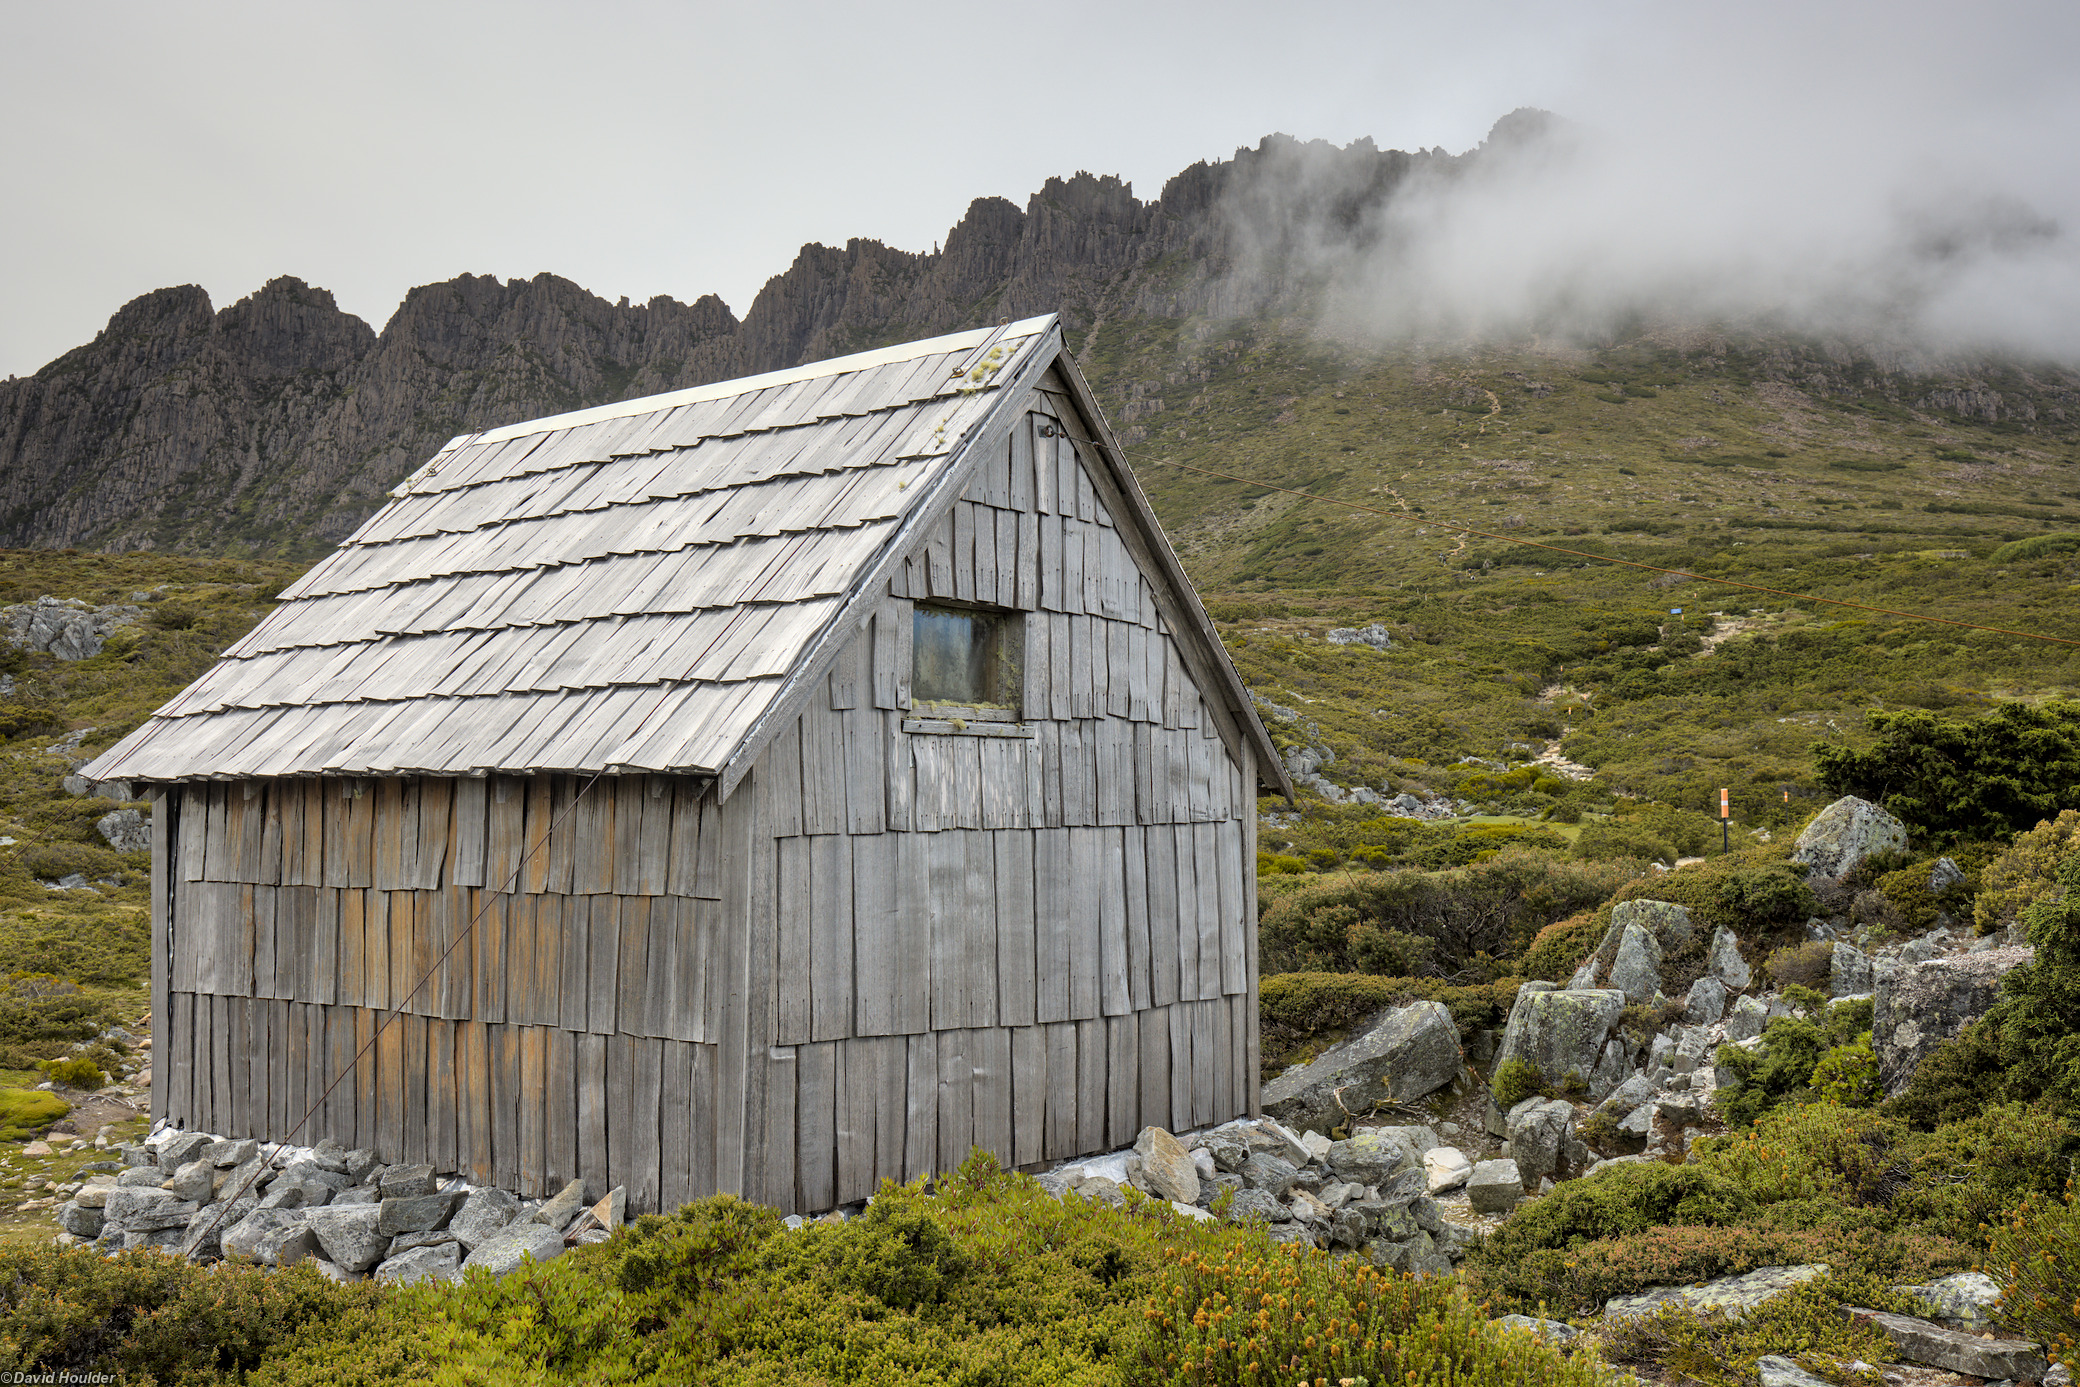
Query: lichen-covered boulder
1565, 1033
1843, 834
1445, 1168
1919, 1008
1167, 1166
1636, 967
1539, 1129
1961, 1300
1369, 1157
1849, 972
1495, 1187
1725, 963
1408, 1053
1706, 1001
1746, 1020
1732, 1294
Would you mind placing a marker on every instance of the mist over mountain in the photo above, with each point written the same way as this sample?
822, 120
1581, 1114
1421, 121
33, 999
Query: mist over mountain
276, 424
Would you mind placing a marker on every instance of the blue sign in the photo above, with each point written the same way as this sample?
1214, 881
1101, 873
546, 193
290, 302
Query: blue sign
1675, 611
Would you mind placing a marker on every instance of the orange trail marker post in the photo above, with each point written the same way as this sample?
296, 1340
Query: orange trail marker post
1726, 821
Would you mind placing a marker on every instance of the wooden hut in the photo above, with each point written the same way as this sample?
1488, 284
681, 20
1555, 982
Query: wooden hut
766, 787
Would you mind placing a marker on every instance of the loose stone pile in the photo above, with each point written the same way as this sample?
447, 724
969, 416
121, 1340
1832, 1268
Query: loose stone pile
208, 1198
1373, 1194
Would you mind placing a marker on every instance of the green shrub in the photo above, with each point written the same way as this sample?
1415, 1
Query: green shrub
2034, 1253
1801, 965
81, 1073
1280, 864
1613, 840
1402, 922
1955, 779
1847, 1075
149, 1317
1285, 1315
1515, 1081
1558, 949
21, 720
1920, 908
2025, 873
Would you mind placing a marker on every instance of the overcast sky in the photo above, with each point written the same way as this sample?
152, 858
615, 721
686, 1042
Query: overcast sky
683, 149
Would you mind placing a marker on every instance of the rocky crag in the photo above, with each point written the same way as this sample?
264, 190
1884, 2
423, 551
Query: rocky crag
274, 426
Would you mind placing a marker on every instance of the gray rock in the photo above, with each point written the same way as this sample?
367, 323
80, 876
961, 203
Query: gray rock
403, 1181
183, 1148
1627, 1096
1725, 963
330, 1155
1495, 1187
1849, 972
1706, 1001
1946, 874
1843, 834
333, 1272
1369, 1157
1260, 1204
79, 1221
1374, 635
232, 1152
359, 1194
141, 1177
1961, 1300
1445, 1168
1732, 1294
1775, 1370
360, 1163
405, 1242
65, 626
1922, 1341
196, 1180
1416, 1256
348, 1235
137, 1155
1406, 1054
1272, 1174
1538, 1130
1167, 1166
559, 1212
241, 1241
133, 1209
311, 1172
1746, 1020
503, 1251
1923, 949
162, 1239
286, 1245
1565, 1033
1919, 1008
1636, 967
439, 1262
415, 1213
484, 1213
125, 830
296, 1194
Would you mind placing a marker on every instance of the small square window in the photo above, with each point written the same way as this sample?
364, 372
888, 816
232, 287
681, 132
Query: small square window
965, 662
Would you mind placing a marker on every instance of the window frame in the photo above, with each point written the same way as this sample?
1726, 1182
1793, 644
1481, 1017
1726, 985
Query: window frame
1006, 626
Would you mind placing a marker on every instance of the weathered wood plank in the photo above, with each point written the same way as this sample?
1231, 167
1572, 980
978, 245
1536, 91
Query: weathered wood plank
956, 1098
1186, 897
437, 830
777, 1157
728, 1006
685, 828
442, 1105
1181, 1065
1139, 941
816, 1125
633, 960
1253, 1044
921, 1106
1053, 897
989, 1054
1122, 1079
831, 936
858, 1082
1085, 921
357, 835
1114, 996
533, 861
285, 811
1017, 935
1028, 1094
642, 1131
505, 832
471, 795
944, 884
1206, 864
1091, 1056
884, 970
1234, 908
473, 1071
823, 770
490, 935
323, 944
257, 905
564, 792
603, 965
677, 1122
560, 1122
594, 1166
622, 1115
885, 646
793, 905
1062, 1137
962, 554
977, 904
784, 759
704, 1107
574, 956
1152, 1065
590, 832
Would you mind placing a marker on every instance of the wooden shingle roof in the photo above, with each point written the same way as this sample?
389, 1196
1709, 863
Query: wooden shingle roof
623, 588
